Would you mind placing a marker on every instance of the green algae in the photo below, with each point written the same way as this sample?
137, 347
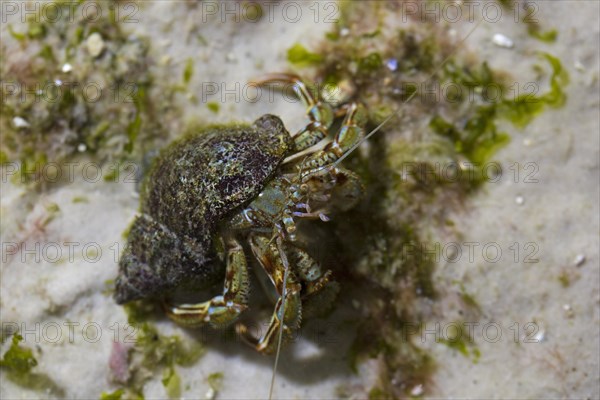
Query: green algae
18, 360
18, 363
188, 71
56, 90
213, 106
79, 199
370, 63
468, 298
548, 36
116, 395
172, 383
524, 108
461, 341
526, 15
16, 35
253, 11
134, 127
156, 353
215, 381
477, 138
386, 245
564, 279
300, 56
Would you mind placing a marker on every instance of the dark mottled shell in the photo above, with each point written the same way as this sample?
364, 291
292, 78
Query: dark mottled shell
193, 185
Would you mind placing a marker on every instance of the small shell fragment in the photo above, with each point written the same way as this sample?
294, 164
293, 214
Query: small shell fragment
210, 394
502, 41
94, 44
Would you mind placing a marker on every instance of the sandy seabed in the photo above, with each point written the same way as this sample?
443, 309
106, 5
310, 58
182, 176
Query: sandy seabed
537, 337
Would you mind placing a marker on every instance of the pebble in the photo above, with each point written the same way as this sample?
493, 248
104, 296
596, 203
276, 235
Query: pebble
165, 60
210, 394
540, 335
94, 44
391, 64
579, 66
579, 260
19, 122
502, 41
520, 200
231, 57
569, 313
417, 390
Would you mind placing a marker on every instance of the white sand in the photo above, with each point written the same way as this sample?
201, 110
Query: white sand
558, 218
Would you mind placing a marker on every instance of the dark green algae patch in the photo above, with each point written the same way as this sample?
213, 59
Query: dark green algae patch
385, 244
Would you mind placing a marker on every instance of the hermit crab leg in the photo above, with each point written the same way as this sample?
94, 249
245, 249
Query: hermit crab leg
320, 113
221, 310
309, 272
351, 132
289, 306
312, 215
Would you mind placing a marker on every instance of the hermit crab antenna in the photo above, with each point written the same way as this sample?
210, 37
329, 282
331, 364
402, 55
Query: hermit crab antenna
283, 295
333, 165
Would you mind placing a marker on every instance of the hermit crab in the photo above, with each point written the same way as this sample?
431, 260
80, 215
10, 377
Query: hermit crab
211, 195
